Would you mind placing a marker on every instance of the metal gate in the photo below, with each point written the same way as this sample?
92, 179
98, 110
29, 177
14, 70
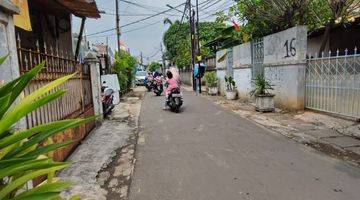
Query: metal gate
257, 57
333, 84
229, 63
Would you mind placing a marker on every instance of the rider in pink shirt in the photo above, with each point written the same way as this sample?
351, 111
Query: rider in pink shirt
171, 83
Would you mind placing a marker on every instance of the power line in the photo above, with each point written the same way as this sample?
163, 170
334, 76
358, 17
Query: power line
139, 5
137, 21
212, 14
157, 50
128, 31
143, 27
211, 5
146, 18
104, 31
137, 14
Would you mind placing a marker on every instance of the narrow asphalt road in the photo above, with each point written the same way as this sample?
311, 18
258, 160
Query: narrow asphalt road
208, 153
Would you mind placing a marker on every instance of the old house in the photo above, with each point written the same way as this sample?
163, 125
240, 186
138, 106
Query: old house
48, 38
104, 54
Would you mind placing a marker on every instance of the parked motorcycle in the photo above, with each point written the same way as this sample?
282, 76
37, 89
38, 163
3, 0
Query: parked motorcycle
107, 101
158, 87
175, 100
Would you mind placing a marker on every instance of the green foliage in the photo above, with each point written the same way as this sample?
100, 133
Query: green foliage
264, 17
167, 21
183, 56
230, 83
177, 41
153, 66
22, 152
211, 79
261, 86
125, 67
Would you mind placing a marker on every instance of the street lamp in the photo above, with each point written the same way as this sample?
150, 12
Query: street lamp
168, 5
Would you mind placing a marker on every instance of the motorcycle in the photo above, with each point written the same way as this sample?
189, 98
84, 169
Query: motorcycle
107, 102
148, 83
175, 100
158, 87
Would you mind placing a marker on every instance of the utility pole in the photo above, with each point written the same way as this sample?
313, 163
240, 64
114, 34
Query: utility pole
141, 58
192, 37
162, 58
198, 40
117, 25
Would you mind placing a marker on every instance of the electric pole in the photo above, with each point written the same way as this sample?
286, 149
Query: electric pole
198, 41
117, 25
162, 58
192, 37
141, 58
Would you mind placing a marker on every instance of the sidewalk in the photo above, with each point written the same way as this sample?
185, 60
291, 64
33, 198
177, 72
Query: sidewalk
334, 136
103, 163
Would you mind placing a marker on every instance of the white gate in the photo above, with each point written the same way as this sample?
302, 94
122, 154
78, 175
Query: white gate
257, 56
333, 83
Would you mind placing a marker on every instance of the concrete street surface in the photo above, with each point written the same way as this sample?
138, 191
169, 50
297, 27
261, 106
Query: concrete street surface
209, 153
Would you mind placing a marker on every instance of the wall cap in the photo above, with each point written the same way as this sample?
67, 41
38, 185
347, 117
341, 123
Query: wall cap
8, 7
91, 57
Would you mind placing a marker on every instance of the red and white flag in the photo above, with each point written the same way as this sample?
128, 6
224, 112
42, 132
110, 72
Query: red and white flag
236, 25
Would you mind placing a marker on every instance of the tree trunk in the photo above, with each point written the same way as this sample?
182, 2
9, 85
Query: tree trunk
328, 28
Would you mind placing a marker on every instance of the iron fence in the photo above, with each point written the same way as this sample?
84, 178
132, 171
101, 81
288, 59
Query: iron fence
57, 64
333, 83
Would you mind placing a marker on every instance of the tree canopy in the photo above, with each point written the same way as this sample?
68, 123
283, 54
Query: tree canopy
153, 66
264, 17
177, 41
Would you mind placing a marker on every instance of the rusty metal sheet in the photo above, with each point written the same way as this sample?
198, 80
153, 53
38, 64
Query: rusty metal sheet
81, 8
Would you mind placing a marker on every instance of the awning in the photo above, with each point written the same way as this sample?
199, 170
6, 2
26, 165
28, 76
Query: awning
81, 8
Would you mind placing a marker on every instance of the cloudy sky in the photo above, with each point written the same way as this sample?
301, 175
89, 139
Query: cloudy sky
145, 36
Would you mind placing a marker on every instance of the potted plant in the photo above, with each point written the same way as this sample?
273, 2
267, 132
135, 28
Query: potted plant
231, 92
211, 80
264, 100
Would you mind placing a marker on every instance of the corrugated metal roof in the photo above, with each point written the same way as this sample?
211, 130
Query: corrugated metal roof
81, 8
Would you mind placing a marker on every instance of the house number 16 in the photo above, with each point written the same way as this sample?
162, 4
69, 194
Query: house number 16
290, 49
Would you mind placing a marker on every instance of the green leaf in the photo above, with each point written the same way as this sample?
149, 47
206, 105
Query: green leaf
42, 196
2, 59
27, 177
40, 137
76, 197
45, 188
17, 136
15, 87
13, 161
13, 116
46, 149
19, 112
29, 165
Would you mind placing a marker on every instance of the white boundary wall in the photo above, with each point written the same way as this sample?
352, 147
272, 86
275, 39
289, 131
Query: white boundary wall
284, 66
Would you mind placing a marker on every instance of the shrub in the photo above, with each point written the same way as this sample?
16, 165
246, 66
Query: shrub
261, 86
230, 83
22, 152
211, 79
125, 67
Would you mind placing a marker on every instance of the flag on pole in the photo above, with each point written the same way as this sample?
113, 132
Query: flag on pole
236, 25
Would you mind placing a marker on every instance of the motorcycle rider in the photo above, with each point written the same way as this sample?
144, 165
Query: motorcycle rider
171, 83
156, 74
